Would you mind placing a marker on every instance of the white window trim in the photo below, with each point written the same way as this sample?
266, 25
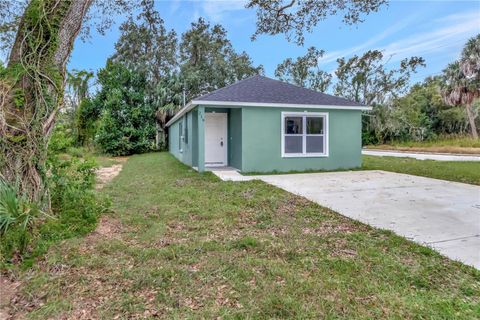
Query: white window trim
304, 154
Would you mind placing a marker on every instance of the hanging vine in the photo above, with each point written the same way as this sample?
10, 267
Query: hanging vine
31, 91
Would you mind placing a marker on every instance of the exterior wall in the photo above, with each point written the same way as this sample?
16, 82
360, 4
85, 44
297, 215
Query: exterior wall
186, 150
173, 145
261, 141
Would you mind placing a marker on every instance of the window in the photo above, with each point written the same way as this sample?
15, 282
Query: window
186, 131
180, 135
304, 134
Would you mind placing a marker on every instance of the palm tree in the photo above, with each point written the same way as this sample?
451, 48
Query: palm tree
169, 98
78, 85
470, 61
461, 81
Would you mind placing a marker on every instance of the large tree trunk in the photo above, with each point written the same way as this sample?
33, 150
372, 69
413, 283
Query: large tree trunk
471, 121
31, 92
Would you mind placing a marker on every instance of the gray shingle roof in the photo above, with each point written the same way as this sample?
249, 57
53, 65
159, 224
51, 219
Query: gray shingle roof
265, 90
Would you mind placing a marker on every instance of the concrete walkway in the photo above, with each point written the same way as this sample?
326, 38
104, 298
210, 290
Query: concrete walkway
441, 214
421, 155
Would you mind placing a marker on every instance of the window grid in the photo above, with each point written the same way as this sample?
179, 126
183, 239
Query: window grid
304, 134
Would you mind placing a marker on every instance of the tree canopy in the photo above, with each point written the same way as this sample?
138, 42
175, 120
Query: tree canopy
208, 60
305, 71
295, 17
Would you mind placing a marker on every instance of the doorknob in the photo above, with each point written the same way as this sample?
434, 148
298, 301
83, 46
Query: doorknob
221, 143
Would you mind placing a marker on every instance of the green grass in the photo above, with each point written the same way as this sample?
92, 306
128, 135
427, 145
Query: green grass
454, 141
459, 171
179, 244
448, 144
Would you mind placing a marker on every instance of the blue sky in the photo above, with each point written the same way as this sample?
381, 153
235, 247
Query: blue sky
435, 30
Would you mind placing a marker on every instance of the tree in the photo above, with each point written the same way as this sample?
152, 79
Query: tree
78, 86
127, 123
146, 46
470, 60
169, 94
295, 17
457, 89
32, 85
86, 118
305, 71
31, 91
367, 80
208, 60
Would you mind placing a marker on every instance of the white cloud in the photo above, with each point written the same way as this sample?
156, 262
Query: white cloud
334, 55
218, 10
445, 34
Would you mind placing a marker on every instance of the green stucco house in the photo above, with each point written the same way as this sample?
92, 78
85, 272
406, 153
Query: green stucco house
262, 125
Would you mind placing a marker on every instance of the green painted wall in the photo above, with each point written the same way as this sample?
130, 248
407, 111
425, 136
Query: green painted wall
254, 140
184, 150
261, 141
173, 146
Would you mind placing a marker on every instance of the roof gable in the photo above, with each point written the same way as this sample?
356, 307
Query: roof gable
260, 89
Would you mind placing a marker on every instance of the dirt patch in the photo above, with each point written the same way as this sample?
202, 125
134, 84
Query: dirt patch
8, 290
106, 174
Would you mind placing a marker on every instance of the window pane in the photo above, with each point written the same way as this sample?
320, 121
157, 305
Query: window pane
293, 144
293, 125
315, 144
314, 125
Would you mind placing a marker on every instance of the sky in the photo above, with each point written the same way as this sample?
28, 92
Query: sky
435, 30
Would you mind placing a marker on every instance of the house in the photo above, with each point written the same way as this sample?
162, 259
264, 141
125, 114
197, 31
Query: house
262, 125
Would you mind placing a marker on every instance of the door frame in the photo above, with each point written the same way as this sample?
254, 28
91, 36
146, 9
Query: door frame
224, 116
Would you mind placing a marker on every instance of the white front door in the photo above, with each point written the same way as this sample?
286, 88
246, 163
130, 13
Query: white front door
215, 139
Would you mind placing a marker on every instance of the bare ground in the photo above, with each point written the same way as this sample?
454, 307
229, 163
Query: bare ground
107, 228
106, 174
8, 289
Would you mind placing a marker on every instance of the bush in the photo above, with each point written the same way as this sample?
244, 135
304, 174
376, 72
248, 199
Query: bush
127, 123
17, 218
75, 211
61, 140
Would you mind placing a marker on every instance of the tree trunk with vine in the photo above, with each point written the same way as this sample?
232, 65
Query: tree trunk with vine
31, 91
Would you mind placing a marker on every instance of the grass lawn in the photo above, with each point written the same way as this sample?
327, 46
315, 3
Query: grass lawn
460, 171
466, 145
179, 244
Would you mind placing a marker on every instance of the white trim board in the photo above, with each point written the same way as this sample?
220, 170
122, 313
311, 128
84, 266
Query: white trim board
192, 104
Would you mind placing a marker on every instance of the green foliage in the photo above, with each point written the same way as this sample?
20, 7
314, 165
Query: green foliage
305, 71
419, 115
208, 60
62, 138
17, 218
87, 116
127, 124
26, 232
295, 18
367, 80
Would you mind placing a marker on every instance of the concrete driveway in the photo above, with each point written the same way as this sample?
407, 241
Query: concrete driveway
441, 214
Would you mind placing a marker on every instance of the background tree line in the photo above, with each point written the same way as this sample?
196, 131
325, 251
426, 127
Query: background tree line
442, 105
148, 78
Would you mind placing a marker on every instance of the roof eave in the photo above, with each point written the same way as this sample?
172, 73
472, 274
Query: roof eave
277, 105
193, 103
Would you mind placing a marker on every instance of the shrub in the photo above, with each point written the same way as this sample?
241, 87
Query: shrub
17, 218
61, 140
127, 123
75, 211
